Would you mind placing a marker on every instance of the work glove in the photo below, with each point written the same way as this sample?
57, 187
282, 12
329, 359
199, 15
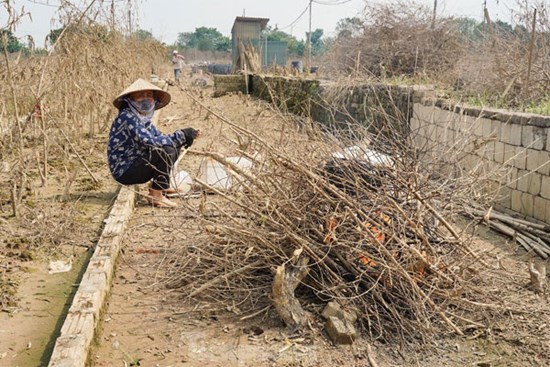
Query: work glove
190, 135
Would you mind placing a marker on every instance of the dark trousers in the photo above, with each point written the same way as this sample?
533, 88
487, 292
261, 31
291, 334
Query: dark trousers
156, 166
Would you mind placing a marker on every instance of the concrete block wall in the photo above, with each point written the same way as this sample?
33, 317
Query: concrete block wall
510, 151
379, 107
225, 84
294, 95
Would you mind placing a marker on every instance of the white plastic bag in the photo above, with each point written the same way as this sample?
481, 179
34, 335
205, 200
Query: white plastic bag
181, 181
218, 176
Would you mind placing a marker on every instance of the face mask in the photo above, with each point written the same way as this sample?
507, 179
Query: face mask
144, 106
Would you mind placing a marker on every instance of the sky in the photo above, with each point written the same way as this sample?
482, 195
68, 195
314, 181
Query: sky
166, 18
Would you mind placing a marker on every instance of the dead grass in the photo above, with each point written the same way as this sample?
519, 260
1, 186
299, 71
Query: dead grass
485, 62
55, 111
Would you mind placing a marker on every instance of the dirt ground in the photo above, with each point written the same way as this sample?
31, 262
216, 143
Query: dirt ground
146, 324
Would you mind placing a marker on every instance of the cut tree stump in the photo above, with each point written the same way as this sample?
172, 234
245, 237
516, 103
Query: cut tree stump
537, 271
284, 284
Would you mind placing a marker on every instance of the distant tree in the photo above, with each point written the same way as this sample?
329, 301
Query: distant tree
224, 44
317, 44
54, 35
349, 27
186, 40
468, 28
98, 32
301, 49
9, 41
143, 34
204, 39
521, 31
475, 31
504, 27
294, 46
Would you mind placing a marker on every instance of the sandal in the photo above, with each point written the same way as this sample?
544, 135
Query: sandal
176, 192
161, 202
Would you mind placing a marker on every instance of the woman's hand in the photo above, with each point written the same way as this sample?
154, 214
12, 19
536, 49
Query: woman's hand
190, 135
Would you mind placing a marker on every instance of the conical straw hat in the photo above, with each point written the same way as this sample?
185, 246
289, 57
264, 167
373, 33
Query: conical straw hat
161, 96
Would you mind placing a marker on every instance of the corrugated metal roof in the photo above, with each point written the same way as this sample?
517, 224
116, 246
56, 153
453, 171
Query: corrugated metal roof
262, 21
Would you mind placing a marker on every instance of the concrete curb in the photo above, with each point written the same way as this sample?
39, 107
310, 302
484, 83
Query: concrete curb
73, 345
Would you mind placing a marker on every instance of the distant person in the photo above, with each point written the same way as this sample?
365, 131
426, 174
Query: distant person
137, 151
297, 66
177, 61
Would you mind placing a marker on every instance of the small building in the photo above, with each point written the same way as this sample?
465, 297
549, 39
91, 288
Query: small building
247, 30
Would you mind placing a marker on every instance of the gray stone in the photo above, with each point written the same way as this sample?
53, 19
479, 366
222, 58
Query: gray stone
504, 197
489, 151
488, 128
533, 158
497, 129
509, 153
472, 111
535, 182
543, 163
516, 201
512, 178
475, 125
540, 121
523, 180
415, 124
528, 204
339, 331
334, 309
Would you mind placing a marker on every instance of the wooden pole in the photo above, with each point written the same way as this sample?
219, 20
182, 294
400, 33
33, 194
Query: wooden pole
434, 14
357, 63
531, 47
308, 66
113, 21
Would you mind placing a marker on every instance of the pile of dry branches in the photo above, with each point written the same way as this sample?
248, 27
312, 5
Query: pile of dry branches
368, 230
399, 39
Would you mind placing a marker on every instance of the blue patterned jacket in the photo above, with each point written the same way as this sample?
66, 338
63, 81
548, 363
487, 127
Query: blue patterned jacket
130, 138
